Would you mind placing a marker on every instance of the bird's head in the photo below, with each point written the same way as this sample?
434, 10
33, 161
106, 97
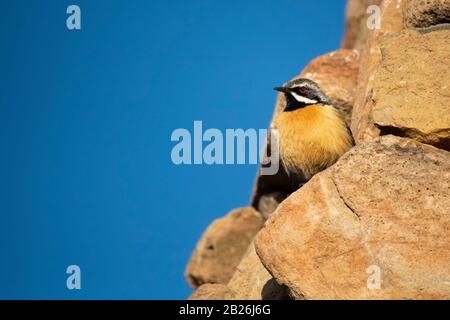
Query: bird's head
301, 93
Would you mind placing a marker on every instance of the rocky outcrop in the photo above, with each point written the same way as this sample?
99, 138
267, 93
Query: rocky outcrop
222, 246
375, 225
384, 205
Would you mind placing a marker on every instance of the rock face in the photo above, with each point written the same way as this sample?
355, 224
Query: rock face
403, 72
384, 205
411, 96
391, 22
222, 246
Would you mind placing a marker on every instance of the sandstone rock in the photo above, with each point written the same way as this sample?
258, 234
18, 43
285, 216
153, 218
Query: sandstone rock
356, 30
252, 281
385, 204
411, 89
391, 22
209, 291
422, 14
222, 246
402, 84
336, 73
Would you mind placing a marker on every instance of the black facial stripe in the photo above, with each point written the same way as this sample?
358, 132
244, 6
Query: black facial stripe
298, 90
307, 94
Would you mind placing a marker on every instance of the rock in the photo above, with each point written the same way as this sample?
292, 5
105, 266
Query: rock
336, 73
384, 206
411, 89
356, 30
209, 291
402, 73
423, 14
252, 281
391, 22
222, 246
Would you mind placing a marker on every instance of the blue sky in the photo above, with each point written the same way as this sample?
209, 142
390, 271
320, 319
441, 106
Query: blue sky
85, 123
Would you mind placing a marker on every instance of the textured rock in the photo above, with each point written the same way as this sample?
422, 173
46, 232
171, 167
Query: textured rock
209, 291
423, 14
385, 204
336, 73
402, 74
252, 281
411, 89
391, 22
356, 30
222, 246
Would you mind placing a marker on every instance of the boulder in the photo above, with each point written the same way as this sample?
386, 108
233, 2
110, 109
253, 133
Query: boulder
376, 225
411, 89
222, 246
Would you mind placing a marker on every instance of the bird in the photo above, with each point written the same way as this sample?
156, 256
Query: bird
312, 132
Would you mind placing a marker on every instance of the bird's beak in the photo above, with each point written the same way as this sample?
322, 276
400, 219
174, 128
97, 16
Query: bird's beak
281, 89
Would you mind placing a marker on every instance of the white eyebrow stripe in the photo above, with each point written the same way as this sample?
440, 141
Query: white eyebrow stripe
303, 99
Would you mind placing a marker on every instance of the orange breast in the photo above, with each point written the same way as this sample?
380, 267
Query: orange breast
311, 138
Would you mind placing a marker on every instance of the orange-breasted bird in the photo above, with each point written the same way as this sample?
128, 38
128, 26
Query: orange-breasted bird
312, 132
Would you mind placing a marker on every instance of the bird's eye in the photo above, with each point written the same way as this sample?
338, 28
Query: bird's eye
303, 89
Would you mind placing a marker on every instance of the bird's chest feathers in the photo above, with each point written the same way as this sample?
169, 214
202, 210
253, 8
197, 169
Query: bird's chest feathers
311, 138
